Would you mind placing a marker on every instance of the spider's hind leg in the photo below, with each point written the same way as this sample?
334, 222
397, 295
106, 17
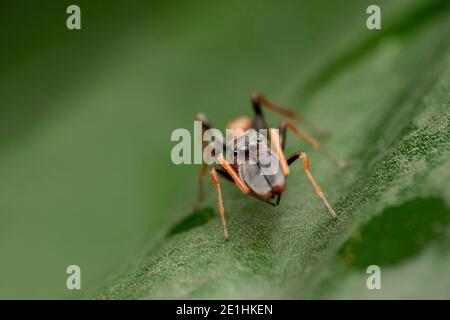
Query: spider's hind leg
259, 101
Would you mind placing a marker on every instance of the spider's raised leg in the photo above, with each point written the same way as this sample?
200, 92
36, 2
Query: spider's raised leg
259, 101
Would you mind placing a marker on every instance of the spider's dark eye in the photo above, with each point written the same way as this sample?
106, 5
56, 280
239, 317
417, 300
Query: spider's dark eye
243, 149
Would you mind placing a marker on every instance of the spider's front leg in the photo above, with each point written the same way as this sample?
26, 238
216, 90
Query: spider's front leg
306, 166
232, 175
287, 124
215, 180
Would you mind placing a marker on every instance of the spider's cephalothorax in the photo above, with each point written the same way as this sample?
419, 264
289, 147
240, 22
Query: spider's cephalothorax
257, 164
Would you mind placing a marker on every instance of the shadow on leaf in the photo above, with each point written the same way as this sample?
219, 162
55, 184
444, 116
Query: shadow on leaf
195, 219
397, 233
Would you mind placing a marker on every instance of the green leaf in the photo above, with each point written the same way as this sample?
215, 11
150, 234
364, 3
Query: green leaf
85, 146
385, 101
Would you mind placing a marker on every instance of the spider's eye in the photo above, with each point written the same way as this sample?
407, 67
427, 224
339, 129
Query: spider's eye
243, 149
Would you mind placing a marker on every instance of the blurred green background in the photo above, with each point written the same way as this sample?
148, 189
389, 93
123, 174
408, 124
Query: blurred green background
86, 115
